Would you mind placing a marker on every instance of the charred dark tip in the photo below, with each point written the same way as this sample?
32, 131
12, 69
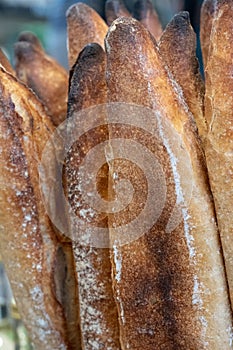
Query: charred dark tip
90, 54
183, 16
180, 22
91, 51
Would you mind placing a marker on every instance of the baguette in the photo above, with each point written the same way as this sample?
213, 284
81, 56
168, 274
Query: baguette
98, 313
38, 261
115, 9
167, 286
177, 46
5, 63
84, 26
44, 76
206, 20
146, 14
218, 112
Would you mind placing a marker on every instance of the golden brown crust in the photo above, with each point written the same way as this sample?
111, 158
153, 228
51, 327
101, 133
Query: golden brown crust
84, 26
5, 63
115, 9
45, 77
218, 111
146, 14
177, 46
28, 241
206, 20
22, 217
180, 299
98, 313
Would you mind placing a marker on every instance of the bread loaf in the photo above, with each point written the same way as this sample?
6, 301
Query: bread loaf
218, 112
84, 26
167, 285
98, 313
44, 76
177, 47
30, 248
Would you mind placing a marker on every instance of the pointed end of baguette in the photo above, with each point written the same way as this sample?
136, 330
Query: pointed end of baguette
77, 10
124, 24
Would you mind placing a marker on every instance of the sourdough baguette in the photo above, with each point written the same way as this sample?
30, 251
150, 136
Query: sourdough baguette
29, 246
206, 20
177, 47
167, 286
98, 313
5, 63
146, 14
84, 26
44, 76
218, 112
115, 9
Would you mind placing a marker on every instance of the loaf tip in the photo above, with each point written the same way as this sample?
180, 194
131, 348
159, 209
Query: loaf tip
75, 9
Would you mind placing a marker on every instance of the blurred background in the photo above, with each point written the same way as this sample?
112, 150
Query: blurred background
46, 18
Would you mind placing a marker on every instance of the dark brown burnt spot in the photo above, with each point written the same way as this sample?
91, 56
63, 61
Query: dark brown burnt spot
87, 79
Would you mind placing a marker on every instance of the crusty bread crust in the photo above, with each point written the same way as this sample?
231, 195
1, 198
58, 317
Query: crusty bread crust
218, 112
84, 26
98, 312
177, 46
29, 245
170, 305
